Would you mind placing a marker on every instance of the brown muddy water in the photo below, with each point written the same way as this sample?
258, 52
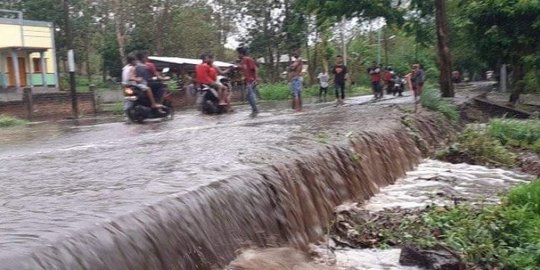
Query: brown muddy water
187, 193
431, 183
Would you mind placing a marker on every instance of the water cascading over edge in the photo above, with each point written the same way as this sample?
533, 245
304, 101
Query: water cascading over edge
287, 204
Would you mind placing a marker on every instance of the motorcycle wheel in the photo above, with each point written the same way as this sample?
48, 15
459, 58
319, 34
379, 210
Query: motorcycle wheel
134, 115
170, 109
210, 108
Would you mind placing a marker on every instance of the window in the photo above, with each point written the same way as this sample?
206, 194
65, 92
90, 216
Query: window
36, 63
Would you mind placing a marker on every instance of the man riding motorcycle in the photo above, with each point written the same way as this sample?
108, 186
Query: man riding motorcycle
156, 82
142, 76
206, 74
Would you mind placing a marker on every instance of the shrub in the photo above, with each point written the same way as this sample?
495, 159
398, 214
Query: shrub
526, 195
505, 236
517, 133
279, 91
484, 148
9, 121
431, 100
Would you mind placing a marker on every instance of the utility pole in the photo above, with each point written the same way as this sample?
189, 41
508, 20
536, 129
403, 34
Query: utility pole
71, 61
343, 42
379, 46
385, 47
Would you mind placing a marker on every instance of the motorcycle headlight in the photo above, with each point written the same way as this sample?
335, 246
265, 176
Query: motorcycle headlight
128, 91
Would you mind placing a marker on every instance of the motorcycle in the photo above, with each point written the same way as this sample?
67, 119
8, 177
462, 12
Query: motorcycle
208, 100
398, 86
138, 107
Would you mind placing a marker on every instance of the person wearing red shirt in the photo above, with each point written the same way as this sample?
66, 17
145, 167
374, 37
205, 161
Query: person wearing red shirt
206, 73
249, 70
387, 78
158, 88
375, 75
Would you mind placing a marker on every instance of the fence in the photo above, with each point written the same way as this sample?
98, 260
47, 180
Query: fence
58, 105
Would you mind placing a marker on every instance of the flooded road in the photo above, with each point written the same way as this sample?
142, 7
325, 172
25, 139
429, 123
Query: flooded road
57, 179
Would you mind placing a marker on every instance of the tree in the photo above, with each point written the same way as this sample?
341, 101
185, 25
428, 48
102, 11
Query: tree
445, 59
506, 31
274, 27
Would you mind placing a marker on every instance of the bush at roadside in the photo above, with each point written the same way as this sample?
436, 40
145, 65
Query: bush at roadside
281, 91
516, 133
431, 100
9, 121
505, 236
475, 146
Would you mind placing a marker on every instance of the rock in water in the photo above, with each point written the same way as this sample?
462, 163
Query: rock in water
439, 259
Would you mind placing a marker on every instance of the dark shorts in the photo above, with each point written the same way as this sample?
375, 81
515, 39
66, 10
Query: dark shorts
158, 89
376, 86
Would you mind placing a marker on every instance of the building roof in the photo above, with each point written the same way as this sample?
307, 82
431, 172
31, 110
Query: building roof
25, 22
26, 48
284, 58
186, 61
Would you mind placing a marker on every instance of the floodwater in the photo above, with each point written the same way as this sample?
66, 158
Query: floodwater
57, 179
431, 183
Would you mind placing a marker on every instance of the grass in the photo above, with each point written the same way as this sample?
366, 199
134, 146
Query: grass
505, 236
477, 147
116, 108
83, 85
9, 121
516, 133
431, 100
281, 91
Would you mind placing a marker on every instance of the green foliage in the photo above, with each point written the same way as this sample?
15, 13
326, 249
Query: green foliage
9, 121
506, 236
430, 99
116, 108
526, 195
281, 91
479, 148
274, 91
532, 80
516, 133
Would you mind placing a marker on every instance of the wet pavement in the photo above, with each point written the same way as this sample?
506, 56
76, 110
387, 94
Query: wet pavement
59, 178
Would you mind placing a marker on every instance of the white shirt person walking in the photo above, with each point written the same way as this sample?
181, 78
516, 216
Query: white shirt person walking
323, 78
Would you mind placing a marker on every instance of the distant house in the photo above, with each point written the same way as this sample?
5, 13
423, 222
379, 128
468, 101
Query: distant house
27, 53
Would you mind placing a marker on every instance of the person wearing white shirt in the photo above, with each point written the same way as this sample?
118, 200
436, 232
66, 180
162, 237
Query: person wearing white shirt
323, 84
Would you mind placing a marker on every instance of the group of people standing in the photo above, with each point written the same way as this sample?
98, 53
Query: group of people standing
140, 70
340, 74
386, 78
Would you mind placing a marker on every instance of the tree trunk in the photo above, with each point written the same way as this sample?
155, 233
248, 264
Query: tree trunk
87, 62
312, 63
517, 84
445, 59
324, 49
120, 37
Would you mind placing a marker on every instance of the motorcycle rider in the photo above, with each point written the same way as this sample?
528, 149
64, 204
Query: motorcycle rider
206, 73
158, 89
128, 73
142, 76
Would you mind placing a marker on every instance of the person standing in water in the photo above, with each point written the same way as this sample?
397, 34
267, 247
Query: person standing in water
249, 69
295, 78
340, 76
323, 85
